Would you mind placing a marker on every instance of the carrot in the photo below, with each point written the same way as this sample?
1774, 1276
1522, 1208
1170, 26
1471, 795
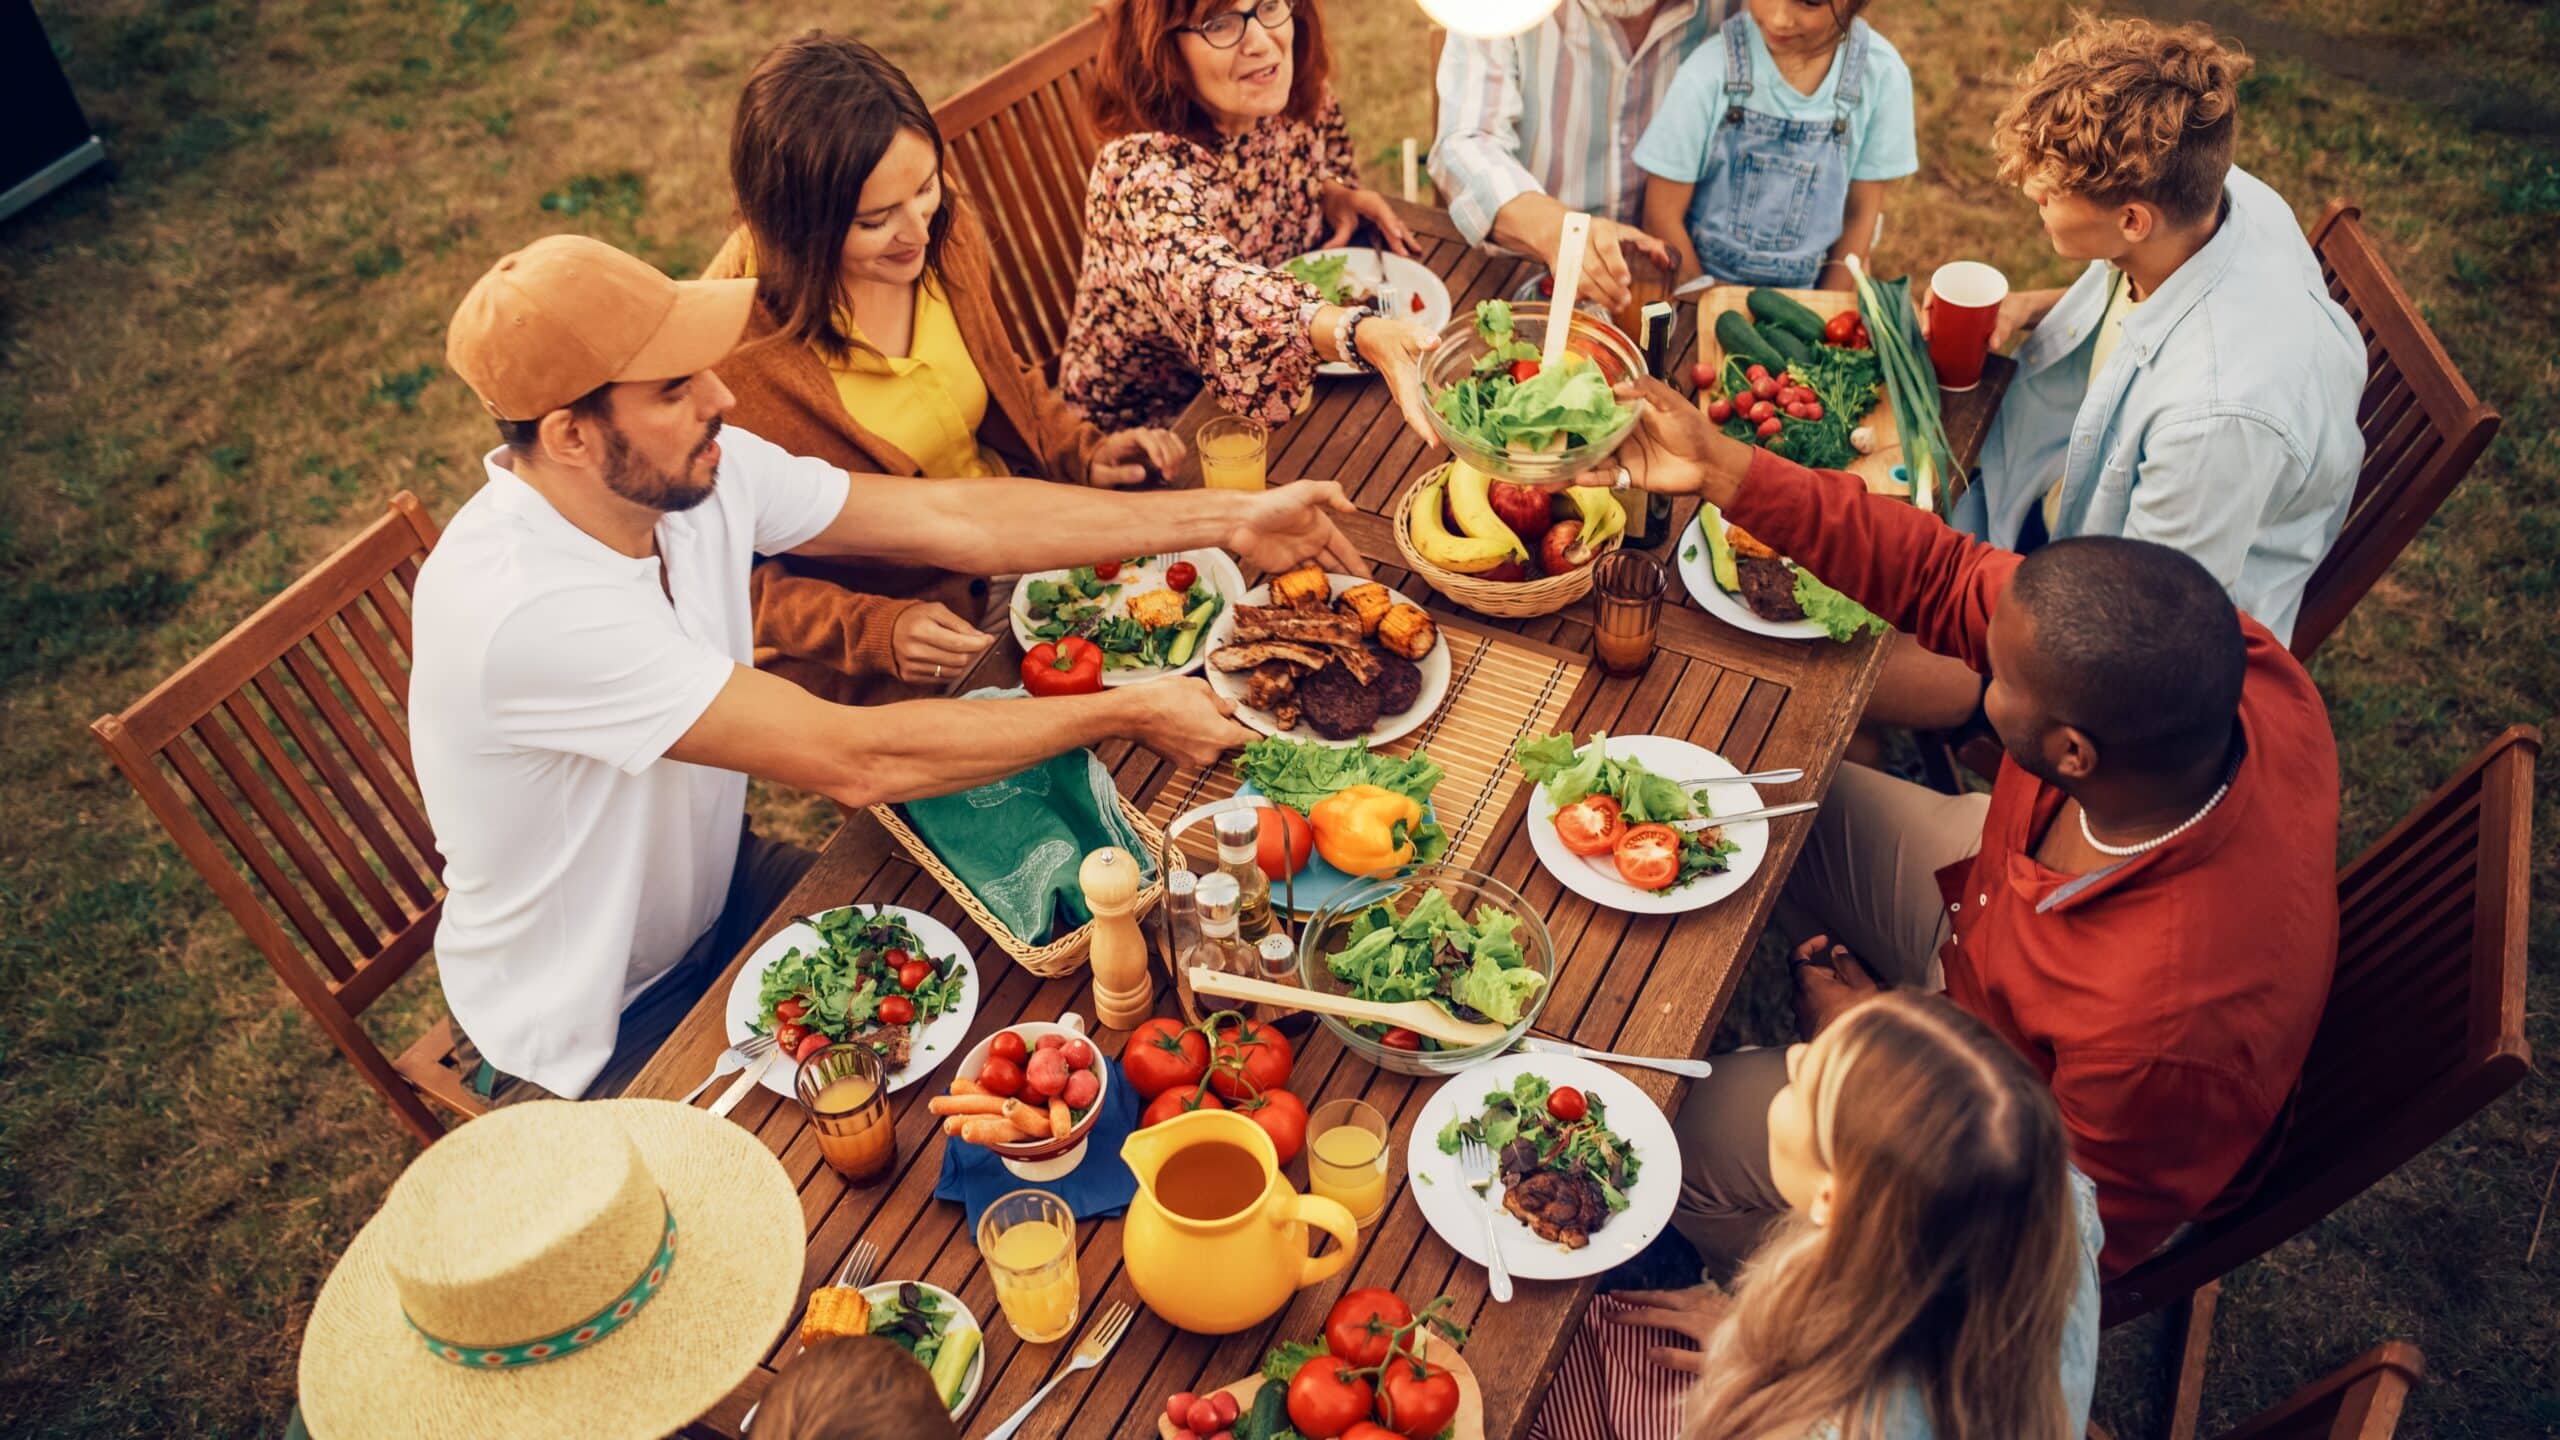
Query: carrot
963, 1085
966, 1105
1031, 1120
1061, 1119
990, 1130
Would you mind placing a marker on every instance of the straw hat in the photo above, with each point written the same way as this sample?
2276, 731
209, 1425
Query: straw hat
602, 1269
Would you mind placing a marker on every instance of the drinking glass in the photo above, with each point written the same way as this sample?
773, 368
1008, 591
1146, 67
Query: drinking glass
1028, 1239
1231, 452
1347, 1158
1626, 598
846, 1097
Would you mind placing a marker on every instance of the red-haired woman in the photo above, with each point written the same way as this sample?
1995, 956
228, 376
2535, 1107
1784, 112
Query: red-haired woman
1228, 157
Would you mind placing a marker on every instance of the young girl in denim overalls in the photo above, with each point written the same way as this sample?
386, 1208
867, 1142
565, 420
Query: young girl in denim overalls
1753, 181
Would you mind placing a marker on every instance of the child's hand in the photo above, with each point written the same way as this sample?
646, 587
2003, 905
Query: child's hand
1605, 274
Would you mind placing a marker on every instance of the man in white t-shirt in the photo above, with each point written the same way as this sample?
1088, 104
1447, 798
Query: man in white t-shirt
584, 708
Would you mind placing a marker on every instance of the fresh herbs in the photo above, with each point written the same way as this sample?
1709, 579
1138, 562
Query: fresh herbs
1510, 403
1298, 774
1474, 968
1583, 1146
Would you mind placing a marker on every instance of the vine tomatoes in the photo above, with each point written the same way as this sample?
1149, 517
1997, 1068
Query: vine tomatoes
1648, 857
1327, 1398
1164, 1054
1420, 1398
1359, 1325
1249, 1058
1283, 1117
1591, 825
1177, 1102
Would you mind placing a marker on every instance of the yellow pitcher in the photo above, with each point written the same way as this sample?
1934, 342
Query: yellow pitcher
1216, 1241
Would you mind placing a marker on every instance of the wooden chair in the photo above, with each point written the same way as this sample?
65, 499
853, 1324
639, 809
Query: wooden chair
2360, 1402
1022, 143
2424, 1027
287, 737
2422, 426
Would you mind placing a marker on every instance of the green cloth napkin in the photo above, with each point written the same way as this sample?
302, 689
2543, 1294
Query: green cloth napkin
1018, 842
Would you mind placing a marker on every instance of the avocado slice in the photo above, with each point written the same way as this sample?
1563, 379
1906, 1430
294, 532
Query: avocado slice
1178, 654
1719, 549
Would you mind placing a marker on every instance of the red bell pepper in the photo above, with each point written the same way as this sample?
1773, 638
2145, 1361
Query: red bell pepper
1072, 666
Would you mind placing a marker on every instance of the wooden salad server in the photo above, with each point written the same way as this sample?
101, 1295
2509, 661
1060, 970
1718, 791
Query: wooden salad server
1419, 1016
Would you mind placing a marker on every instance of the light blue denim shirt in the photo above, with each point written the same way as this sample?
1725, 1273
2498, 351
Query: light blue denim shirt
2224, 424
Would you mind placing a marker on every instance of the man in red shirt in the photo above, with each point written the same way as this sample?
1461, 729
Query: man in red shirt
2145, 904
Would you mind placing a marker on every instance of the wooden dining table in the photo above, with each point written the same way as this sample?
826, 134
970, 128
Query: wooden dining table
1648, 985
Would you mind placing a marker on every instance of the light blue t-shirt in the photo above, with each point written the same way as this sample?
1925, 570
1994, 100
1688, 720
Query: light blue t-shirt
1882, 143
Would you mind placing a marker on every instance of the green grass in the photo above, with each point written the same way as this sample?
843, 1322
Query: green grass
216, 366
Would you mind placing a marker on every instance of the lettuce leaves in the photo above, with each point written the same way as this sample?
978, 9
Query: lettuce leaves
1543, 412
1298, 774
1390, 958
1644, 797
1839, 616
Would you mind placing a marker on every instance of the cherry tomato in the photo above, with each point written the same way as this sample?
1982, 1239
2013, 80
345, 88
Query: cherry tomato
1764, 388
1181, 575
1177, 1102
1106, 570
894, 957
1357, 1327
791, 1009
1008, 1045
1250, 1058
1401, 1040
1283, 1117
1591, 825
1418, 306
1370, 1430
1521, 370
1285, 841
1761, 410
1547, 286
788, 1035
1769, 425
1000, 1076
1164, 1055
1227, 1407
1648, 857
1204, 1415
1178, 1409
1566, 1104
898, 1010
1720, 411
1420, 1398
1327, 1398
914, 974
1702, 375
810, 1044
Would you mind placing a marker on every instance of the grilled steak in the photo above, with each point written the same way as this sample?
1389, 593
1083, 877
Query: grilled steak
1768, 587
1399, 684
1563, 1209
1307, 627
892, 1041
1359, 660
1263, 652
1339, 706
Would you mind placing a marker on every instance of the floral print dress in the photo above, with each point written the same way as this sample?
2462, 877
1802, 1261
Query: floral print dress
1180, 280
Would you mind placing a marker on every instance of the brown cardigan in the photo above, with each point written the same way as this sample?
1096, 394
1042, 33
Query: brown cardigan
825, 624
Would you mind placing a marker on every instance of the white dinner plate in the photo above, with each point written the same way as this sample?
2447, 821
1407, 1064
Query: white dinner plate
1456, 1213
1595, 877
1410, 278
959, 1315
1698, 572
933, 1042
1434, 667
1214, 566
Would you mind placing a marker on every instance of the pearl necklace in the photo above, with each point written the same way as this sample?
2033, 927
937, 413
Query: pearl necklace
2156, 841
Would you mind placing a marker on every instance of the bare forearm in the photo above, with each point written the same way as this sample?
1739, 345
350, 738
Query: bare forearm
1666, 218
1529, 222
992, 527
1857, 233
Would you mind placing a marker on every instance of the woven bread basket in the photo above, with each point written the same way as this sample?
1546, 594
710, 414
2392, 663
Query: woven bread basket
1510, 599
1062, 956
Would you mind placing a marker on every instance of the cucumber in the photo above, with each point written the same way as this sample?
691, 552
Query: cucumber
1787, 343
1178, 653
1772, 307
1719, 549
951, 1367
1743, 343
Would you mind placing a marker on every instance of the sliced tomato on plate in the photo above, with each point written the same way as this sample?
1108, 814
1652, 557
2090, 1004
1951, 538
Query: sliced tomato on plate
1591, 825
1648, 857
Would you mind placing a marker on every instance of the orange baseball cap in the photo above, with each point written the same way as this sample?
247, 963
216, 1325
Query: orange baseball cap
566, 314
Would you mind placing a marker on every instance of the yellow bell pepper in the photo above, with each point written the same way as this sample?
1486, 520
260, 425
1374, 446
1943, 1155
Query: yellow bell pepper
1366, 829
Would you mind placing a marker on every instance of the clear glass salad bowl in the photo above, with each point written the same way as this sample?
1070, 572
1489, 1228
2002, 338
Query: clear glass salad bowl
1454, 359
1327, 930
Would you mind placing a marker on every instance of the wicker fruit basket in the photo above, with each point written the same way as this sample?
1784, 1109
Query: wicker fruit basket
1062, 956
1509, 599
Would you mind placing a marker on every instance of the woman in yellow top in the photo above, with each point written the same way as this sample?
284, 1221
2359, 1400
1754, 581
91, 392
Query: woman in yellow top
881, 351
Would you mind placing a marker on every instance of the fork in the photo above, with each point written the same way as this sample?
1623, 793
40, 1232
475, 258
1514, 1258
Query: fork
860, 1266
733, 1059
1097, 1343
1475, 1162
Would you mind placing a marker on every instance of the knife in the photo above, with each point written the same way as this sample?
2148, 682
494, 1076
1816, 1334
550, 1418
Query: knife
738, 1089
1771, 813
1539, 1045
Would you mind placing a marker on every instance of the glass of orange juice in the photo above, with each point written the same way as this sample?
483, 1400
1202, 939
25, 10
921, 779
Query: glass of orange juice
1028, 1239
1347, 1158
1231, 452
846, 1098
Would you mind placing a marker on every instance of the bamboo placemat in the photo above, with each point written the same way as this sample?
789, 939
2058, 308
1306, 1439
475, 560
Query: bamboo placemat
1501, 689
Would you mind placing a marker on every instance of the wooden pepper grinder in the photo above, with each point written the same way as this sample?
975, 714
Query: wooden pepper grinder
1124, 992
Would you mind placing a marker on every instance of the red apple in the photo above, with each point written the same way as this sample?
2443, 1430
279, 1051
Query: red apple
1525, 510
1509, 572
1558, 552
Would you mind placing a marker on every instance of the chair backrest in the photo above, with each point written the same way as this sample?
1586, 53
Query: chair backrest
279, 763
2360, 1402
2422, 426
2424, 1025
1022, 142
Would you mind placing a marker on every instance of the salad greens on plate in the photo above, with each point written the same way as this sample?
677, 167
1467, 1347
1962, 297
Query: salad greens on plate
1329, 274
915, 1319
1132, 613
1582, 1146
1473, 968
1573, 773
854, 985
1510, 402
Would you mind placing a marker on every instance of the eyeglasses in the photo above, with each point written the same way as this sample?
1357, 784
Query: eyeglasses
1225, 30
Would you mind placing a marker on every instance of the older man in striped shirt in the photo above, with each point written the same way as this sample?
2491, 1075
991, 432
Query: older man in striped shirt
1536, 125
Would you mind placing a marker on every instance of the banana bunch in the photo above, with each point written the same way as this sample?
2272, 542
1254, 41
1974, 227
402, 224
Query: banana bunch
1482, 540
1603, 518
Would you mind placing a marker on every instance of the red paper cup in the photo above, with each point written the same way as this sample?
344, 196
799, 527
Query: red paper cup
1964, 306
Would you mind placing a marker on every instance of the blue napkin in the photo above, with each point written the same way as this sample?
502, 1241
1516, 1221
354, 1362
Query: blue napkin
1100, 1185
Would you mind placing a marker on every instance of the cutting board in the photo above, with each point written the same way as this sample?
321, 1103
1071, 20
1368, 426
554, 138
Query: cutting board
1467, 1424
1875, 468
